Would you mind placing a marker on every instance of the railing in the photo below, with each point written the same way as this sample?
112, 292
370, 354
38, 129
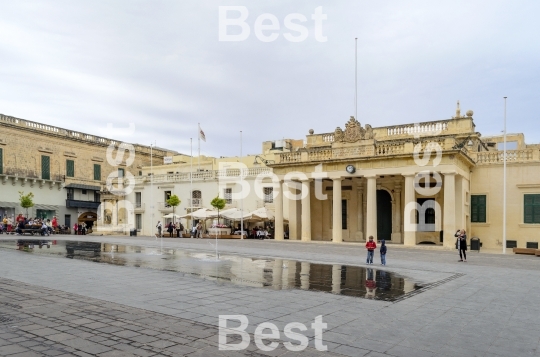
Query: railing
74, 134
204, 175
196, 202
424, 128
31, 174
322, 154
290, 157
139, 206
164, 206
497, 157
82, 204
389, 149
328, 137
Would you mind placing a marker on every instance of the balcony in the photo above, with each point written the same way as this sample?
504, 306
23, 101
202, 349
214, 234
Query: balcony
139, 207
82, 204
164, 207
195, 203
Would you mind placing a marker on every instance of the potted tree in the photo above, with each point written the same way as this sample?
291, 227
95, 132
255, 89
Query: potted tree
26, 201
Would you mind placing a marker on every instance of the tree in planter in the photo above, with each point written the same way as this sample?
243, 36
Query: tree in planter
173, 201
219, 204
26, 201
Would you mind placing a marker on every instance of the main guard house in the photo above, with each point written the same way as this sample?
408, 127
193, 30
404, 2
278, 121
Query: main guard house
408, 184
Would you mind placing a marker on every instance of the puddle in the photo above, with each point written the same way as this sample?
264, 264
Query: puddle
278, 274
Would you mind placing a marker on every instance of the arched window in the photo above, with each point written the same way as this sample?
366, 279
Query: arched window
428, 212
196, 198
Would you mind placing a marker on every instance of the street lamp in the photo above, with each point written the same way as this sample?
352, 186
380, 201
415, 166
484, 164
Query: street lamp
504, 181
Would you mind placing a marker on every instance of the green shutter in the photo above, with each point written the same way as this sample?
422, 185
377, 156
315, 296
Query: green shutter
1, 161
531, 209
478, 208
97, 172
70, 168
45, 167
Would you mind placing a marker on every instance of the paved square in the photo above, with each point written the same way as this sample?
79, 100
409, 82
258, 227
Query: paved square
53, 306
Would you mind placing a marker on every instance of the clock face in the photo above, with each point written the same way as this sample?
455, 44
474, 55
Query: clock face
350, 169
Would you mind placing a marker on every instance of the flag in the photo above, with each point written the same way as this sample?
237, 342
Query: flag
201, 134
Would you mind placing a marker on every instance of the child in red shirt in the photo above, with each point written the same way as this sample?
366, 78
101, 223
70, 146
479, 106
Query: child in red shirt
370, 245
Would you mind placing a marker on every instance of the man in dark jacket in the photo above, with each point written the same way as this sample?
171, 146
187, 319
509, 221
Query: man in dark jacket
383, 252
461, 244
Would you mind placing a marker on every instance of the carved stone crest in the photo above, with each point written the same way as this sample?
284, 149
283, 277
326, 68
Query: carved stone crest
353, 132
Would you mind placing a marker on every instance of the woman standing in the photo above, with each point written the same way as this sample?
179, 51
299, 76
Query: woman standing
461, 244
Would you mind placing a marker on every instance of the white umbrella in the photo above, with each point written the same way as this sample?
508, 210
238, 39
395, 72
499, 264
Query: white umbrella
235, 214
263, 214
202, 213
171, 215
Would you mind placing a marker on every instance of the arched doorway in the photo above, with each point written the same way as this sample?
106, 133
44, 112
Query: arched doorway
384, 215
89, 218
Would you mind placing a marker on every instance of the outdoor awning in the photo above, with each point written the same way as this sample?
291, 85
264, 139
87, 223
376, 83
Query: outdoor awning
83, 187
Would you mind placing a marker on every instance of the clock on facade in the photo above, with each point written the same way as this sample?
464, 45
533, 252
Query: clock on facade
350, 169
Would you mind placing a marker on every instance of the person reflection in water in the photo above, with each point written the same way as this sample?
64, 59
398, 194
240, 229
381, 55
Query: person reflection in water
371, 285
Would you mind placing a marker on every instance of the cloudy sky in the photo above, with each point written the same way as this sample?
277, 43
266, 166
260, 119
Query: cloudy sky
161, 66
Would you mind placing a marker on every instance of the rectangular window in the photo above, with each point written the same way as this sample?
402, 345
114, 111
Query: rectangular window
97, 197
167, 196
227, 195
268, 194
428, 212
478, 208
343, 214
97, 172
84, 192
70, 193
120, 172
138, 199
45, 167
70, 168
1, 161
531, 209
138, 221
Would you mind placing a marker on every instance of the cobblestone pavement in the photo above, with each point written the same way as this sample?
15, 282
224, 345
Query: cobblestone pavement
489, 308
36, 321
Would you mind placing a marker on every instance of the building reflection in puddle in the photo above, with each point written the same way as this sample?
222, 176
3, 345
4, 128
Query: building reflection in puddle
277, 274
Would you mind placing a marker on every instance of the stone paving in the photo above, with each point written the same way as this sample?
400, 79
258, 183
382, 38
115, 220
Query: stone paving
490, 308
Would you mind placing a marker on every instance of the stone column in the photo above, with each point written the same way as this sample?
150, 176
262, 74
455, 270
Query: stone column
304, 275
449, 210
396, 230
360, 207
306, 211
336, 279
337, 233
278, 206
371, 213
409, 216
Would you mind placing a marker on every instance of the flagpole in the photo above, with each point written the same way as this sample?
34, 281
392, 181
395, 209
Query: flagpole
151, 188
241, 197
504, 182
199, 158
191, 187
356, 78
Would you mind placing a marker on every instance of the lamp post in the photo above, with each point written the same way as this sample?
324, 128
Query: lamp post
504, 181
241, 197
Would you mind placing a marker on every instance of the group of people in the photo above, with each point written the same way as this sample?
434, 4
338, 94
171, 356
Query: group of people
20, 223
371, 245
461, 245
80, 228
174, 229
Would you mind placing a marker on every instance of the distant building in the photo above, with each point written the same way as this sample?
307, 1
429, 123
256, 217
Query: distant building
66, 171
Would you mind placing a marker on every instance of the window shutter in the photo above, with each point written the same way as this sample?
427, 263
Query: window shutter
474, 208
97, 172
70, 168
45, 167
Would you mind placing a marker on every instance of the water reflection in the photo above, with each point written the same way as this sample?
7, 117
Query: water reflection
278, 274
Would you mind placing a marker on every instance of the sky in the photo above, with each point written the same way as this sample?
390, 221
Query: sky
162, 67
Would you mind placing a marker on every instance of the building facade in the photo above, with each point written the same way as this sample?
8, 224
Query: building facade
67, 171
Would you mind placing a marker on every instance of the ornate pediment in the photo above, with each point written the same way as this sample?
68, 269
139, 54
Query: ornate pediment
353, 132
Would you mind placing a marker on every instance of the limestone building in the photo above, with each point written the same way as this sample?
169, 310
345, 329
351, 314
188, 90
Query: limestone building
410, 184
67, 172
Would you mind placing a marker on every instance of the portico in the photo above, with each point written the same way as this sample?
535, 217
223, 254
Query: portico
406, 189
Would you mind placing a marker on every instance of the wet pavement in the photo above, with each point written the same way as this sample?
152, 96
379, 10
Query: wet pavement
486, 307
356, 281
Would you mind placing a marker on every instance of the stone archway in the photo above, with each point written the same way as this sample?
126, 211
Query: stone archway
89, 218
384, 215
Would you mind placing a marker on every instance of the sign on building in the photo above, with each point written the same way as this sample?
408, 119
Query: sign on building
167, 160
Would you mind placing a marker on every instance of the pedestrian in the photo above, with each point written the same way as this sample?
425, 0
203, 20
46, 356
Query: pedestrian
199, 230
383, 252
75, 228
170, 229
370, 245
461, 244
159, 226
181, 231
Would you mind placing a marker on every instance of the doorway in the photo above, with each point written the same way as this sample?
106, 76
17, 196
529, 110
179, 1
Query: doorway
384, 215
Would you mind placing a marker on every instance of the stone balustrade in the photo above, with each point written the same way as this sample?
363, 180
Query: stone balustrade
203, 175
497, 157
